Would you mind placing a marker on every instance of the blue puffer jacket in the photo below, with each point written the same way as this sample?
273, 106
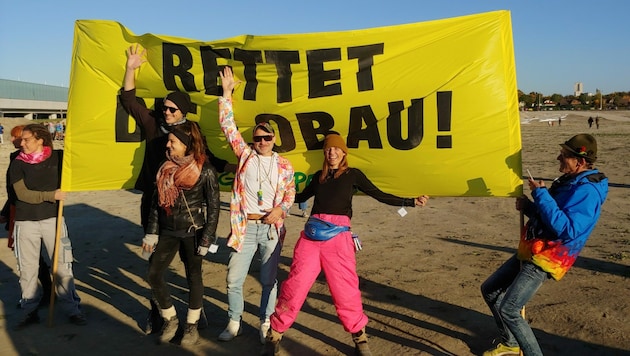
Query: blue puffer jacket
561, 220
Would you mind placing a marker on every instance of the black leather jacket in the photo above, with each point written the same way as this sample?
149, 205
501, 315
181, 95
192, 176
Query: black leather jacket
204, 203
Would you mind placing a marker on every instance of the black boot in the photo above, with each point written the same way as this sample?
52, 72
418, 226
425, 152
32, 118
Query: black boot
203, 320
28, 319
154, 319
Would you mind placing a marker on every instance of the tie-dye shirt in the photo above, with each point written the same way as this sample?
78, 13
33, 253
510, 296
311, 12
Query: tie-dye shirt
561, 220
285, 189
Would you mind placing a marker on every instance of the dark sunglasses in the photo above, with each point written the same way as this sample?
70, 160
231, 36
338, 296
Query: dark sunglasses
263, 137
169, 108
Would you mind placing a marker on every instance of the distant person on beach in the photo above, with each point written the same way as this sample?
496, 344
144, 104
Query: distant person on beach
559, 121
262, 195
590, 121
183, 217
597, 122
51, 128
35, 175
8, 216
1, 134
156, 124
333, 188
561, 219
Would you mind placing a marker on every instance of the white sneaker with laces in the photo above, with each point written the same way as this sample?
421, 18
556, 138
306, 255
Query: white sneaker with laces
264, 328
232, 330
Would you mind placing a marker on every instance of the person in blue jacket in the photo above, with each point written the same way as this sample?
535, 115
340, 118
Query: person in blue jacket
561, 219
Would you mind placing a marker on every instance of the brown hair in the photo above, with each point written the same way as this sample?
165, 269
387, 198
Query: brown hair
39, 132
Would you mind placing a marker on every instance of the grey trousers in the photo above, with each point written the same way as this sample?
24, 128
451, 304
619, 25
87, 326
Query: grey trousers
29, 236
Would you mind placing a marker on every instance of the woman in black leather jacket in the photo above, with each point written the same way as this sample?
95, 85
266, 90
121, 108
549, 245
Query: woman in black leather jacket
183, 217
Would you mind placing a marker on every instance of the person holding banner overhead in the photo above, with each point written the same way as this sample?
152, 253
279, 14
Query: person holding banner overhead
262, 195
35, 175
155, 124
184, 216
561, 219
327, 244
8, 216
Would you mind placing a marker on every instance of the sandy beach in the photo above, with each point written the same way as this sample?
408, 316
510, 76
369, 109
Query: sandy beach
419, 275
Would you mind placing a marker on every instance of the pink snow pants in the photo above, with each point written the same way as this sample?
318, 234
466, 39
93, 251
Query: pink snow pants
337, 258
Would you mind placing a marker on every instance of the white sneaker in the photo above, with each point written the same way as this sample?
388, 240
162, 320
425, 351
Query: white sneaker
232, 330
264, 327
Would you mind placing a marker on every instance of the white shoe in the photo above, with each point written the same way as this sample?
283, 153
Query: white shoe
264, 327
232, 330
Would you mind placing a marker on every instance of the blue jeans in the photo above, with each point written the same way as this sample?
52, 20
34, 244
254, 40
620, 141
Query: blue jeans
303, 206
506, 291
264, 238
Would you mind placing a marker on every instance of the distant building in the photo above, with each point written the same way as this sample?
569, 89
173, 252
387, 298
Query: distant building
578, 89
32, 101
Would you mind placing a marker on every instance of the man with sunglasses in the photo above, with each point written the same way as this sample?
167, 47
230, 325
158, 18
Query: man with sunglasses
561, 219
155, 124
262, 194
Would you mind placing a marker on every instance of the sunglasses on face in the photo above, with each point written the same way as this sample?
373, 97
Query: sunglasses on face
169, 108
263, 137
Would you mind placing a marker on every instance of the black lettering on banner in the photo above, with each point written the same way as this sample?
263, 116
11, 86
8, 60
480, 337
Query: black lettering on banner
325, 123
249, 60
359, 115
211, 69
415, 125
317, 76
284, 131
365, 55
121, 124
283, 61
170, 51
444, 108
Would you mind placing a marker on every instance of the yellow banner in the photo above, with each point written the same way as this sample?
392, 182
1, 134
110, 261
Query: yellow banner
425, 108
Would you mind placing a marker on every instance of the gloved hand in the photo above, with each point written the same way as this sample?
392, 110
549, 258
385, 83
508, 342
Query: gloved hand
202, 251
148, 244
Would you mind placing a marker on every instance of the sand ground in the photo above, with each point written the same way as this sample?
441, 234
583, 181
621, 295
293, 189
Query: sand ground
420, 275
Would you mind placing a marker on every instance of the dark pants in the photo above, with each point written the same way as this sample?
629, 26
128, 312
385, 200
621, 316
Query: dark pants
164, 253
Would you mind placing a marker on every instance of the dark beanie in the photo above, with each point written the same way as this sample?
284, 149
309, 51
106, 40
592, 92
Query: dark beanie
182, 100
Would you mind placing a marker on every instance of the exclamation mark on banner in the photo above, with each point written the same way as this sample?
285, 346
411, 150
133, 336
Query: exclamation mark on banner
444, 103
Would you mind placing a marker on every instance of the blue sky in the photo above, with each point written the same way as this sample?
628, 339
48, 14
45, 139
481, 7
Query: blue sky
557, 43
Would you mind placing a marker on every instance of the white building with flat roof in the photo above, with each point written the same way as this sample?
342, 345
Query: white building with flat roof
32, 101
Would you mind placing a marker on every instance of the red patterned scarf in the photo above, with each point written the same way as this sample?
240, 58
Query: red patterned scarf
35, 157
176, 173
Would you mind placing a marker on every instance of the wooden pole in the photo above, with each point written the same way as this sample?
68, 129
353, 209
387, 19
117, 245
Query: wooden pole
51, 308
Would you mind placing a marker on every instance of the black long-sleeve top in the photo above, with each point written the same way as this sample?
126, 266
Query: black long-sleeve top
334, 196
149, 122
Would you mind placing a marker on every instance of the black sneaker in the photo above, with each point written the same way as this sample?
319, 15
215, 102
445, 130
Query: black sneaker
78, 319
169, 329
191, 335
29, 319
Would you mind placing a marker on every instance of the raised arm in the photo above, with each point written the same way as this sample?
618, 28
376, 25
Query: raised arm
226, 115
228, 82
135, 58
